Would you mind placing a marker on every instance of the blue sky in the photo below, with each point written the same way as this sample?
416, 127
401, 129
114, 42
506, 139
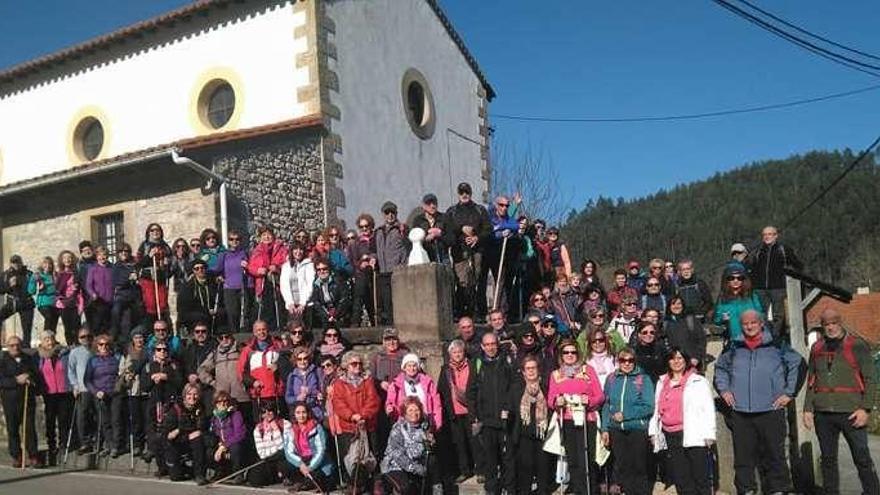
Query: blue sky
606, 59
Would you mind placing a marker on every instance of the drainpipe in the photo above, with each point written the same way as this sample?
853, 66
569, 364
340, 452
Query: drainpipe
212, 177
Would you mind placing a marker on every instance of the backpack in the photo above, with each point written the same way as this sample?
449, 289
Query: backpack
818, 351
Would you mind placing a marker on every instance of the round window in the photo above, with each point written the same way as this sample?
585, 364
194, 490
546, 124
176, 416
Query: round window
89, 138
216, 103
418, 104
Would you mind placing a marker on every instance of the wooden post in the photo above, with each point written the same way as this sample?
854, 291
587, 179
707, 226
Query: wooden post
803, 451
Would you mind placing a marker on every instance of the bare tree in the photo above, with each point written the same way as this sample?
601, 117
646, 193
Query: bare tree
530, 171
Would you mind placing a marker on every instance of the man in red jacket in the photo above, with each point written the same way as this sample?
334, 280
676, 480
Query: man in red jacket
258, 368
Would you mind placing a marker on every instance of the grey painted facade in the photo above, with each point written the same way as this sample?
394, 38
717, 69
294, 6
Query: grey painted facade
376, 43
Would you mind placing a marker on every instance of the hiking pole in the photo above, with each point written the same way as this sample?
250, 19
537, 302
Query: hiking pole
710, 469
500, 274
242, 470
70, 430
338, 460
314, 482
100, 428
156, 286
587, 457
375, 299
27, 388
242, 322
275, 300
214, 313
427, 468
130, 434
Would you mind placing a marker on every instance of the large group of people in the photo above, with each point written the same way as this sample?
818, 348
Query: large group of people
599, 389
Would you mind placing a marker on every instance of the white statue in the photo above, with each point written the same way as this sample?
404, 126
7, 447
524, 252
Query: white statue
417, 255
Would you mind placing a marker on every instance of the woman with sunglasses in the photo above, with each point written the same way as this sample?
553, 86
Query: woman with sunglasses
333, 344
329, 301
529, 417
184, 429
576, 393
623, 325
340, 261
162, 380
683, 424
304, 384
232, 271
264, 265
653, 298
539, 305
154, 251
736, 297
629, 405
100, 380
356, 406
210, 250
297, 278
650, 348
229, 431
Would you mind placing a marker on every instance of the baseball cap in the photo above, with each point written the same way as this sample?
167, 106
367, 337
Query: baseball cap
429, 198
390, 332
389, 206
738, 248
465, 188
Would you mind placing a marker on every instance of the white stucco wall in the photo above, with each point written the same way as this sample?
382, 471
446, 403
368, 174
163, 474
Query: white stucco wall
381, 157
147, 97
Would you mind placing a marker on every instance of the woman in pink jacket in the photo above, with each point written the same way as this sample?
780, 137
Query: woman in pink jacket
412, 381
576, 393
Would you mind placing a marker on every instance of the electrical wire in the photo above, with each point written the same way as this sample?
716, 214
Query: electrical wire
807, 32
811, 47
691, 116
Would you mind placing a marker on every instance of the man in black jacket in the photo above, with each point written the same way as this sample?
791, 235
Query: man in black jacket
766, 265
487, 398
19, 377
193, 354
15, 298
438, 236
694, 291
469, 222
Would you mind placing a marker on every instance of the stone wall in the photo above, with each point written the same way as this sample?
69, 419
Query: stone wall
279, 184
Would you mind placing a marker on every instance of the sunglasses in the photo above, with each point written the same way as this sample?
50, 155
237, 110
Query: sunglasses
363, 227
296, 332
502, 205
200, 331
647, 333
102, 344
599, 315
569, 353
629, 304
234, 239
161, 349
528, 336
195, 245
653, 285
539, 299
626, 360
85, 336
322, 270
735, 277
601, 341
180, 246
333, 335
299, 358
198, 268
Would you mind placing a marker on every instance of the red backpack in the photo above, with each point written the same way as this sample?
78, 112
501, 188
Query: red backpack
818, 352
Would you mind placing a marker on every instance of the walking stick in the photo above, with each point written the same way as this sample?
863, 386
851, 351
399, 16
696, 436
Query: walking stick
233, 475
710, 469
338, 460
70, 430
275, 300
242, 323
587, 458
27, 388
314, 482
498, 280
100, 427
214, 313
156, 287
375, 300
130, 434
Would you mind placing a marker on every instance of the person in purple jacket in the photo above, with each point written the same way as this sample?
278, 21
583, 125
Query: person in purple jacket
99, 287
102, 371
303, 383
227, 426
231, 265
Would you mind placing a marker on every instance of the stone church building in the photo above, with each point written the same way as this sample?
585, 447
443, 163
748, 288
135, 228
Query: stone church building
297, 113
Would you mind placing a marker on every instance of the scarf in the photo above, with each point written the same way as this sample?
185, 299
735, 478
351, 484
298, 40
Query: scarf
412, 388
569, 371
753, 342
534, 396
301, 434
354, 381
332, 349
221, 414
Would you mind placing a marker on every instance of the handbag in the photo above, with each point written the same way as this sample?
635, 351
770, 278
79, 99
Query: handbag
553, 438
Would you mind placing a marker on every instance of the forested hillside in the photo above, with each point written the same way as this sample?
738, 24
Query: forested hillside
838, 239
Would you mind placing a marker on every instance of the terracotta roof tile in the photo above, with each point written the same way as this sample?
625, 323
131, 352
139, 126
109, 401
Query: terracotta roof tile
862, 314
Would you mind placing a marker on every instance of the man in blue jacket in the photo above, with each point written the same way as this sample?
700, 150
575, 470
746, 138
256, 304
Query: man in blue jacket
757, 377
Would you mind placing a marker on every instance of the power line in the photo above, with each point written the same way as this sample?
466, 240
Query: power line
811, 47
807, 32
690, 116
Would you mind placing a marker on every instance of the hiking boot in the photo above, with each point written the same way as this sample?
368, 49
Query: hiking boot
52, 457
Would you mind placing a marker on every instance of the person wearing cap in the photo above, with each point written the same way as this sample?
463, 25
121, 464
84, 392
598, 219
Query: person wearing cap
635, 278
693, 291
131, 398
739, 252
365, 262
412, 381
504, 231
549, 338
13, 287
438, 236
619, 292
384, 368
767, 267
736, 297
469, 222
392, 249
199, 300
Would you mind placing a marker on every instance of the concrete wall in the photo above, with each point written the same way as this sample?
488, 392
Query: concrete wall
145, 91
376, 42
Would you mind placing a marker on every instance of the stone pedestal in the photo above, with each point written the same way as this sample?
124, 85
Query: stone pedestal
422, 297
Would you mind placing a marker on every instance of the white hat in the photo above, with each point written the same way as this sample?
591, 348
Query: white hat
410, 358
738, 248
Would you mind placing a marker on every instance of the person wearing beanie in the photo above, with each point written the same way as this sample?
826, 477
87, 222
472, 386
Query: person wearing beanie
736, 297
413, 382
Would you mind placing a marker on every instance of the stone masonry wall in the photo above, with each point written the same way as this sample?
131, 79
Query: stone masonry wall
279, 184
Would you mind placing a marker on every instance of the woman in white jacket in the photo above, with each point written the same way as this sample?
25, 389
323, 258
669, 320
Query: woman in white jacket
683, 424
297, 276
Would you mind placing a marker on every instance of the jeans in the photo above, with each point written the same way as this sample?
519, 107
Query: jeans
759, 442
829, 426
